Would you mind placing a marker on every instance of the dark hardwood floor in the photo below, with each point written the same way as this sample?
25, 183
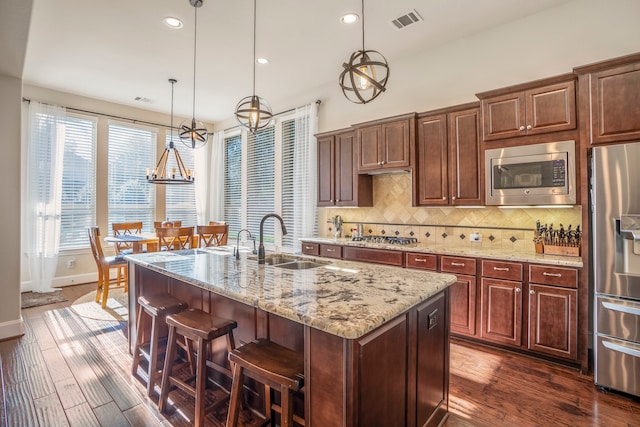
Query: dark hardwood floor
69, 370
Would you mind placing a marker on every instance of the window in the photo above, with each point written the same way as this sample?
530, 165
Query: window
233, 183
181, 199
274, 172
131, 151
261, 181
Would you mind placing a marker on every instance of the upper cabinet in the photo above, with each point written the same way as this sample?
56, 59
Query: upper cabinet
338, 184
613, 89
385, 145
529, 109
447, 167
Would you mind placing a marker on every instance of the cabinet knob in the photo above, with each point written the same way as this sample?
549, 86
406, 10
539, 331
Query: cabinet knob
444, 198
337, 200
453, 198
529, 127
518, 290
521, 128
330, 200
532, 292
382, 162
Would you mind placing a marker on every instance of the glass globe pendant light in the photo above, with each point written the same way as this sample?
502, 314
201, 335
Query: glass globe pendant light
366, 74
193, 133
253, 112
160, 174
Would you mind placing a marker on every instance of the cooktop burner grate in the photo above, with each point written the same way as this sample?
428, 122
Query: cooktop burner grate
393, 240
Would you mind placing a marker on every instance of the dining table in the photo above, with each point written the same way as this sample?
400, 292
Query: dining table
140, 242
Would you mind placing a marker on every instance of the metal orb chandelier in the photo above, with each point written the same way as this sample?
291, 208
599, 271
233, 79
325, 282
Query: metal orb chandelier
193, 133
366, 74
159, 174
253, 112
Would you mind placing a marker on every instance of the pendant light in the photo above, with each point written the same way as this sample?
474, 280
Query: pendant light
193, 133
366, 74
253, 112
159, 174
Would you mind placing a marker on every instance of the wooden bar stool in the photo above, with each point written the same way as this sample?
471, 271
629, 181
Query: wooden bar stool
156, 307
274, 366
201, 328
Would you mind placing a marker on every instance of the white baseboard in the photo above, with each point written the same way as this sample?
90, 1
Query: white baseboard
59, 282
11, 329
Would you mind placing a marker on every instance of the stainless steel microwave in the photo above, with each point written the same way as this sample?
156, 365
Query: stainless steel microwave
536, 174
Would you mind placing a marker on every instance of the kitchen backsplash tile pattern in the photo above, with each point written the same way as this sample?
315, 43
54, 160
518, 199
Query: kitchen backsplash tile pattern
392, 213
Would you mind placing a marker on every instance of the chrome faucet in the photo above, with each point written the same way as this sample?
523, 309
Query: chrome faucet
261, 246
237, 249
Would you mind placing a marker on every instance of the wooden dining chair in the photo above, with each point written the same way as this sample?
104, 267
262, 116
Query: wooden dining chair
164, 224
174, 238
212, 235
105, 265
126, 228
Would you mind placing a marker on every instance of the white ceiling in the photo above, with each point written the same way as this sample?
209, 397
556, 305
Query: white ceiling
117, 50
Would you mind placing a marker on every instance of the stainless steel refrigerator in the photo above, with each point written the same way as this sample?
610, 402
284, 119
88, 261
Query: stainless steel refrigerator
615, 204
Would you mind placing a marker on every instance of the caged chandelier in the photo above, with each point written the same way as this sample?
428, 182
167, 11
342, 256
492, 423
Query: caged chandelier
253, 112
366, 74
193, 133
159, 174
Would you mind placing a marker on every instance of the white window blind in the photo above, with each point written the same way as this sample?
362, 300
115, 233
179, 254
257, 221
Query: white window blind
288, 207
131, 198
78, 182
180, 203
233, 184
261, 181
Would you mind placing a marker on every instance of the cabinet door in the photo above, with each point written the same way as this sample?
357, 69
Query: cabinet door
395, 144
432, 183
615, 104
344, 178
465, 177
553, 321
501, 311
503, 116
463, 305
551, 108
331, 251
326, 171
368, 148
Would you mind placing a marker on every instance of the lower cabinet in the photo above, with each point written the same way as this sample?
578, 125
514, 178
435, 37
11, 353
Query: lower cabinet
379, 256
501, 311
463, 293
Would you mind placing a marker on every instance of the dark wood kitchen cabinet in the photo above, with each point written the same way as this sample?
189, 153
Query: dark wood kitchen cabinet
385, 144
462, 293
379, 256
529, 109
553, 311
610, 98
448, 158
338, 184
501, 302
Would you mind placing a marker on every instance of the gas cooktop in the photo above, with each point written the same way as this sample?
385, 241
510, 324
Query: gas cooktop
393, 240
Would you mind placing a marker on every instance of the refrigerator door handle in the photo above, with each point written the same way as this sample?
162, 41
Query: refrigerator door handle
621, 349
621, 308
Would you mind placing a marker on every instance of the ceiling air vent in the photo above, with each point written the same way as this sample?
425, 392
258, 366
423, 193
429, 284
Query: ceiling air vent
407, 19
143, 99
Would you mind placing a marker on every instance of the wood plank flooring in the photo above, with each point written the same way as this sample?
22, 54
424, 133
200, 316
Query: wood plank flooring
72, 371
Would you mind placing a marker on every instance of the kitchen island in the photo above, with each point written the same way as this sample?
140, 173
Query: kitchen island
375, 338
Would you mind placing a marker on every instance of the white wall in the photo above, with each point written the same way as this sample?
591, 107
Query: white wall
542, 45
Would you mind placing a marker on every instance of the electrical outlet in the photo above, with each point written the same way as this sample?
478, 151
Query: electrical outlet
71, 263
475, 237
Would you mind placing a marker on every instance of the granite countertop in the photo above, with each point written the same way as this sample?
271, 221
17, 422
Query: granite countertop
347, 299
500, 254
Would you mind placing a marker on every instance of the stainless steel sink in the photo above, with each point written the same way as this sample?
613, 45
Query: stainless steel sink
276, 259
299, 265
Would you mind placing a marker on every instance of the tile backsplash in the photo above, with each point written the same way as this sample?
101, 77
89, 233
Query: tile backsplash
392, 214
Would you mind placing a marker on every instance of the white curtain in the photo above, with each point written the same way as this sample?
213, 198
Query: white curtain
45, 154
201, 165
305, 171
216, 178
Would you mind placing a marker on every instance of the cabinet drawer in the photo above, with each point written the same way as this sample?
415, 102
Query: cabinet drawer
331, 251
502, 270
451, 264
556, 276
422, 261
310, 248
379, 256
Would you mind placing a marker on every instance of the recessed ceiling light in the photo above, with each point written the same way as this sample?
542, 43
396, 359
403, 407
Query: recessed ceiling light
349, 18
173, 22
262, 61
